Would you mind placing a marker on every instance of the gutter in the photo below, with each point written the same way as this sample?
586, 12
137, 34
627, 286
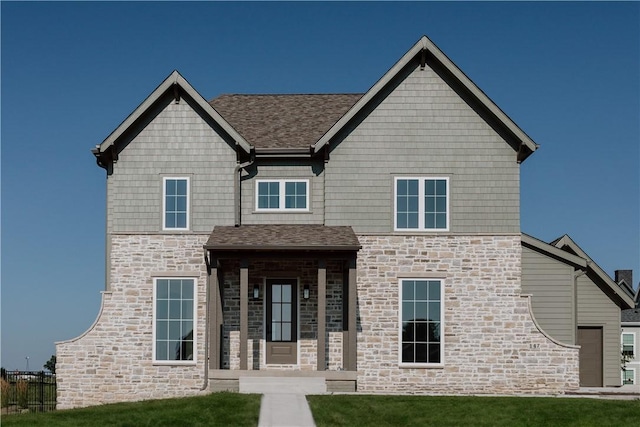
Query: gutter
237, 176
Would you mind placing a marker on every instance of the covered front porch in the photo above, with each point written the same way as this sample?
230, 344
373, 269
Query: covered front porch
282, 302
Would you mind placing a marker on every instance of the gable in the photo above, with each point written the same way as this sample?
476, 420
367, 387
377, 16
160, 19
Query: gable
596, 274
426, 54
175, 88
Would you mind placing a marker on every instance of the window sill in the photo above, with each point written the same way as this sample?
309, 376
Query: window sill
421, 366
174, 363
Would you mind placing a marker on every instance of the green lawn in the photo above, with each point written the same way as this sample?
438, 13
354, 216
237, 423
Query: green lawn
362, 410
218, 409
233, 409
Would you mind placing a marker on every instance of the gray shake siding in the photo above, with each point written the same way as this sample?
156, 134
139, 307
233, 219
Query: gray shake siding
595, 308
177, 142
551, 284
424, 127
275, 170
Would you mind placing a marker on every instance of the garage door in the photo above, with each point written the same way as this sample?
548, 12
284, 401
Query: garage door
590, 340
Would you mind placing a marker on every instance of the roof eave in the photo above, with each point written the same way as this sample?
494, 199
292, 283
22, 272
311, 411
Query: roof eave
554, 252
624, 298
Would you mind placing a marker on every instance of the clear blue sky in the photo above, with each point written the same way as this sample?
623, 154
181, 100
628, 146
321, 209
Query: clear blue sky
566, 73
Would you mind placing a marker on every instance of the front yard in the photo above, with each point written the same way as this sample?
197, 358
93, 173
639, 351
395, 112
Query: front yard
361, 410
232, 409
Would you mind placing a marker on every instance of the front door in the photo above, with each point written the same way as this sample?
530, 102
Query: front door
282, 321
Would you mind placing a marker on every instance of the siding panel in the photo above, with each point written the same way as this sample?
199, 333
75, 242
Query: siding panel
595, 308
176, 142
551, 284
423, 127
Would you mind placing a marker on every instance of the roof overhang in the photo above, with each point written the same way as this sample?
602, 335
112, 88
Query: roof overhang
177, 86
553, 252
425, 46
607, 284
282, 240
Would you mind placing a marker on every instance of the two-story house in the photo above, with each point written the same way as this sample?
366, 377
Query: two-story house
370, 240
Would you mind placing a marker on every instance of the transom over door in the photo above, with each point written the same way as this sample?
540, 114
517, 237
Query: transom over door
282, 321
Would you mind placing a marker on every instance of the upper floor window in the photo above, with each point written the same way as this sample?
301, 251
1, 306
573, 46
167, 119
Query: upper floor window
628, 345
282, 195
421, 203
421, 308
174, 303
175, 203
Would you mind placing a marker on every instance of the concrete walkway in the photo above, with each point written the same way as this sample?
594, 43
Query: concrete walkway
283, 401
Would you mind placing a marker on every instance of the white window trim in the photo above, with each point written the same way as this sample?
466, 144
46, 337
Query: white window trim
164, 203
281, 194
421, 207
195, 323
633, 376
635, 354
402, 364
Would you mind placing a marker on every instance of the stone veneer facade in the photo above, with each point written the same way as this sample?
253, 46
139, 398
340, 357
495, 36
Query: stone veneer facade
491, 342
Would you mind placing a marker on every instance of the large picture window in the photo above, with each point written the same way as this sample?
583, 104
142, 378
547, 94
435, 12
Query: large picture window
174, 304
421, 309
282, 195
421, 203
175, 204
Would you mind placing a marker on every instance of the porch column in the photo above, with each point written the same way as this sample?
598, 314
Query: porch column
322, 316
352, 345
244, 312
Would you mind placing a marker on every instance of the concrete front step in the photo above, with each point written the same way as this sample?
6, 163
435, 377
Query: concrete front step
282, 385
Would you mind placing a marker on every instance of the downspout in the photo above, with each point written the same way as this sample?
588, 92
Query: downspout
576, 275
206, 324
237, 177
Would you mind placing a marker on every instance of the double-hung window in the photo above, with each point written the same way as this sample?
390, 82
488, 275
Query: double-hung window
174, 321
175, 203
628, 345
421, 323
628, 376
282, 195
421, 203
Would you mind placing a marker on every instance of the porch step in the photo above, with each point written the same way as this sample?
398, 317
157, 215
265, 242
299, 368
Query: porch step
283, 385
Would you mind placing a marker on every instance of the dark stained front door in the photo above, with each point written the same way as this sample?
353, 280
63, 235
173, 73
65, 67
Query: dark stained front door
590, 340
282, 321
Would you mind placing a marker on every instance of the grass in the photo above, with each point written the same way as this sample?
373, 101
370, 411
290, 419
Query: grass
217, 409
379, 411
233, 409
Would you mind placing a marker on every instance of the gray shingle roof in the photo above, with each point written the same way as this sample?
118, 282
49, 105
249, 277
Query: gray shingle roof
283, 121
631, 315
283, 237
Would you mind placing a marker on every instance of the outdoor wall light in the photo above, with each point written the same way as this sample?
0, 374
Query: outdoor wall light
256, 291
305, 292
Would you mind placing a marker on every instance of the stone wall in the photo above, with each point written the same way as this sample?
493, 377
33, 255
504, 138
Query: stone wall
491, 342
113, 360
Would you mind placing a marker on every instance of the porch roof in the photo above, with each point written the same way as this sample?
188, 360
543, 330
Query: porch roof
283, 237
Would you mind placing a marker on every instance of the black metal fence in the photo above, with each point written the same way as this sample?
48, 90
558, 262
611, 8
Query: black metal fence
28, 391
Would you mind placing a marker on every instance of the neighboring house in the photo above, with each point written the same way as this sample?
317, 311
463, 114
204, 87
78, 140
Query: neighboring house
575, 302
630, 336
372, 240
